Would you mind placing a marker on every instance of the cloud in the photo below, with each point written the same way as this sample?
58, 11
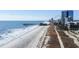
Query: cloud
23, 17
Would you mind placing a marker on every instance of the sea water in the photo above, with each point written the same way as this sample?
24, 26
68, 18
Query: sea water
5, 25
9, 30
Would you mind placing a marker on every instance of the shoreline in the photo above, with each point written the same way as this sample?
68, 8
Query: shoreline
26, 39
7, 37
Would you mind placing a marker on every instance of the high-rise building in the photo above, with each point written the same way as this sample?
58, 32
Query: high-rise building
67, 16
64, 15
70, 15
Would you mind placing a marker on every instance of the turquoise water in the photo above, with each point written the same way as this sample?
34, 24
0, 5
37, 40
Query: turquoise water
5, 25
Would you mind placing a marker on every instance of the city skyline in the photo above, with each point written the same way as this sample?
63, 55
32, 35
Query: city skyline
33, 15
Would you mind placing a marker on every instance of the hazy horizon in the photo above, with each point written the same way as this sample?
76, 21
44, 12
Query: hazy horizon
32, 15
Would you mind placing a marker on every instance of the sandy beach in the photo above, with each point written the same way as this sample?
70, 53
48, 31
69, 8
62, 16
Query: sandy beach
29, 40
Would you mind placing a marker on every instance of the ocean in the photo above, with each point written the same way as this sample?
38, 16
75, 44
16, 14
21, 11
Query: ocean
5, 25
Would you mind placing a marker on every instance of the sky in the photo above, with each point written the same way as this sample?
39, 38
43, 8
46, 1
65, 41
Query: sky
33, 15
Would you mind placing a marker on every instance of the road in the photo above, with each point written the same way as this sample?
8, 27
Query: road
28, 40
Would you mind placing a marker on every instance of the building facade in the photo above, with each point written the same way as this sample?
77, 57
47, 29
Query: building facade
70, 15
67, 16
